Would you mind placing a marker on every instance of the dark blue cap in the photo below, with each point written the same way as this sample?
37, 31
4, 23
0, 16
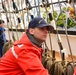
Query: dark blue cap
1, 21
40, 22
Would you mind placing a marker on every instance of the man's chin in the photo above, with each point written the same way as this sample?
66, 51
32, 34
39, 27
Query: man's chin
43, 40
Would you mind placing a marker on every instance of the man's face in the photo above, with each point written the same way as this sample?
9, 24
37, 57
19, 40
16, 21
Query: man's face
39, 33
2, 25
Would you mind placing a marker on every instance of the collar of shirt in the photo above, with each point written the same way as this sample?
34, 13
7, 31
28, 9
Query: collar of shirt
32, 39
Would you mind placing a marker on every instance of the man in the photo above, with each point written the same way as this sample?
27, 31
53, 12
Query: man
2, 36
24, 58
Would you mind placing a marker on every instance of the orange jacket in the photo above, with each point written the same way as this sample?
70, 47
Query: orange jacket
24, 58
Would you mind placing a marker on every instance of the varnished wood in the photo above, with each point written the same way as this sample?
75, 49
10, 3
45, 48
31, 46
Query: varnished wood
58, 57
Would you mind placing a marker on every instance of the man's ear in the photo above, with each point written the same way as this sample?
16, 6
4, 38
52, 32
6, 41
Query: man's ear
31, 31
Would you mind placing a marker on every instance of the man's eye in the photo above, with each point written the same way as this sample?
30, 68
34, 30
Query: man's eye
41, 28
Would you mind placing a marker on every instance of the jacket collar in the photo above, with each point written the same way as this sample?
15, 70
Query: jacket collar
27, 39
32, 39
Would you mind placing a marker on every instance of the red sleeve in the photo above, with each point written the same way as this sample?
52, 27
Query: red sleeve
31, 64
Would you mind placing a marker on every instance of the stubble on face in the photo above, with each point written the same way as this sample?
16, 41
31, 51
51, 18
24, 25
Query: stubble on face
40, 34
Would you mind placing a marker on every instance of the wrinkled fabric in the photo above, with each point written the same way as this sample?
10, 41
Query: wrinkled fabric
28, 61
75, 71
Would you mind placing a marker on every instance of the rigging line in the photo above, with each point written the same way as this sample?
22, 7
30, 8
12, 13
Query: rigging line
50, 38
35, 7
65, 2
38, 8
59, 42
47, 51
18, 16
4, 7
27, 10
68, 42
11, 23
50, 41
15, 8
23, 15
32, 7
27, 5
10, 14
13, 36
45, 6
16, 26
3, 1
66, 33
18, 3
73, 6
30, 12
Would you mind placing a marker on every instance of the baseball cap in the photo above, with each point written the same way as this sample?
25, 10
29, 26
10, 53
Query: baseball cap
1, 21
39, 23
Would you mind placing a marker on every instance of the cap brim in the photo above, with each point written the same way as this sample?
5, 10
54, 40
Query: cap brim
49, 27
